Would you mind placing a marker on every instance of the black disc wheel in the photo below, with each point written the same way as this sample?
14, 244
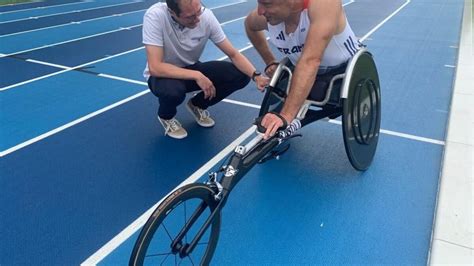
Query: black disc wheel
159, 242
362, 113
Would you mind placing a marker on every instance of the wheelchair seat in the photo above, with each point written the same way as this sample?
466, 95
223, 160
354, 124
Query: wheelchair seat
330, 80
321, 86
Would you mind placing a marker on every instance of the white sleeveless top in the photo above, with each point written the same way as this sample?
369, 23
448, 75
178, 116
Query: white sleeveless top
341, 47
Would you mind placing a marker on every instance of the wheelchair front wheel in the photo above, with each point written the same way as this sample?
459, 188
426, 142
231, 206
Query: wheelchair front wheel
154, 245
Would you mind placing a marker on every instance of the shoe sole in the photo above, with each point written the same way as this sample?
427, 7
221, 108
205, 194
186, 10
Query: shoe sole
177, 137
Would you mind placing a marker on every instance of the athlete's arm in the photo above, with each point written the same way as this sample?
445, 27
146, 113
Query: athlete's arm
254, 27
323, 16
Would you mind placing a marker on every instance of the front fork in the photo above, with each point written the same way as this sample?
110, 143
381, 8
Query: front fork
220, 197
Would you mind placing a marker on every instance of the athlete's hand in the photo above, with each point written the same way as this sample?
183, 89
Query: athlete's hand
270, 69
206, 86
271, 122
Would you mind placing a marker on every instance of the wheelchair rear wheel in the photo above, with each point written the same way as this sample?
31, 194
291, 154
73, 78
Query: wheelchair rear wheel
362, 112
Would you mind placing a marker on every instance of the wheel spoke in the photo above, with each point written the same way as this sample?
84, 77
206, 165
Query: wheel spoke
166, 230
182, 260
162, 263
159, 254
185, 222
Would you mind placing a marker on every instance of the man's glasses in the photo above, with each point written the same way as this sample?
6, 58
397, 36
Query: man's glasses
195, 16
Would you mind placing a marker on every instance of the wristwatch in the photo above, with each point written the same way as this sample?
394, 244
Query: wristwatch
255, 74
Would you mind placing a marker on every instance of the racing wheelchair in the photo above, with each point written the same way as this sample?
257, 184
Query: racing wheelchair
184, 228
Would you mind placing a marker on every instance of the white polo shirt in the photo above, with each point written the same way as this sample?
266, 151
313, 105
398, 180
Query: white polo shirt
181, 46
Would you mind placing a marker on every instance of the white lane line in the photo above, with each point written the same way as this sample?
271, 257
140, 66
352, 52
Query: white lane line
70, 23
256, 106
126, 233
412, 137
348, 3
123, 79
234, 20
385, 20
19, 4
63, 13
48, 64
450, 66
41, 7
243, 49
66, 69
385, 131
401, 135
35, 79
70, 124
230, 4
69, 41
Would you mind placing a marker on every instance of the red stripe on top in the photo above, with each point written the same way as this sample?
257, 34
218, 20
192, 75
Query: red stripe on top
306, 3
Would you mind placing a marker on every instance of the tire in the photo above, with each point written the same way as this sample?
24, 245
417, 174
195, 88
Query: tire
153, 246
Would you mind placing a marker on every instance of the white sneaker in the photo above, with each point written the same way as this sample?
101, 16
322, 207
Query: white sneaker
203, 118
173, 128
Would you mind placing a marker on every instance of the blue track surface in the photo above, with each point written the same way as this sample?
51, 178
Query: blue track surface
13, 27
65, 196
36, 4
21, 12
68, 32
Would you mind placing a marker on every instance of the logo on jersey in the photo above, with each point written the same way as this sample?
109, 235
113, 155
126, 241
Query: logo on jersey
295, 49
198, 39
351, 46
281, 36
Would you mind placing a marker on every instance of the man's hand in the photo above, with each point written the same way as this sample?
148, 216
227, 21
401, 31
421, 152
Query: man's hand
262, 81
272, 122
207, 87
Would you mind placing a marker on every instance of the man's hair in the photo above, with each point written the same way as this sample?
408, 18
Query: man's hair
174, 6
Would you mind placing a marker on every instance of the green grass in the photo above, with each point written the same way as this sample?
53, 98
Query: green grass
6, 2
